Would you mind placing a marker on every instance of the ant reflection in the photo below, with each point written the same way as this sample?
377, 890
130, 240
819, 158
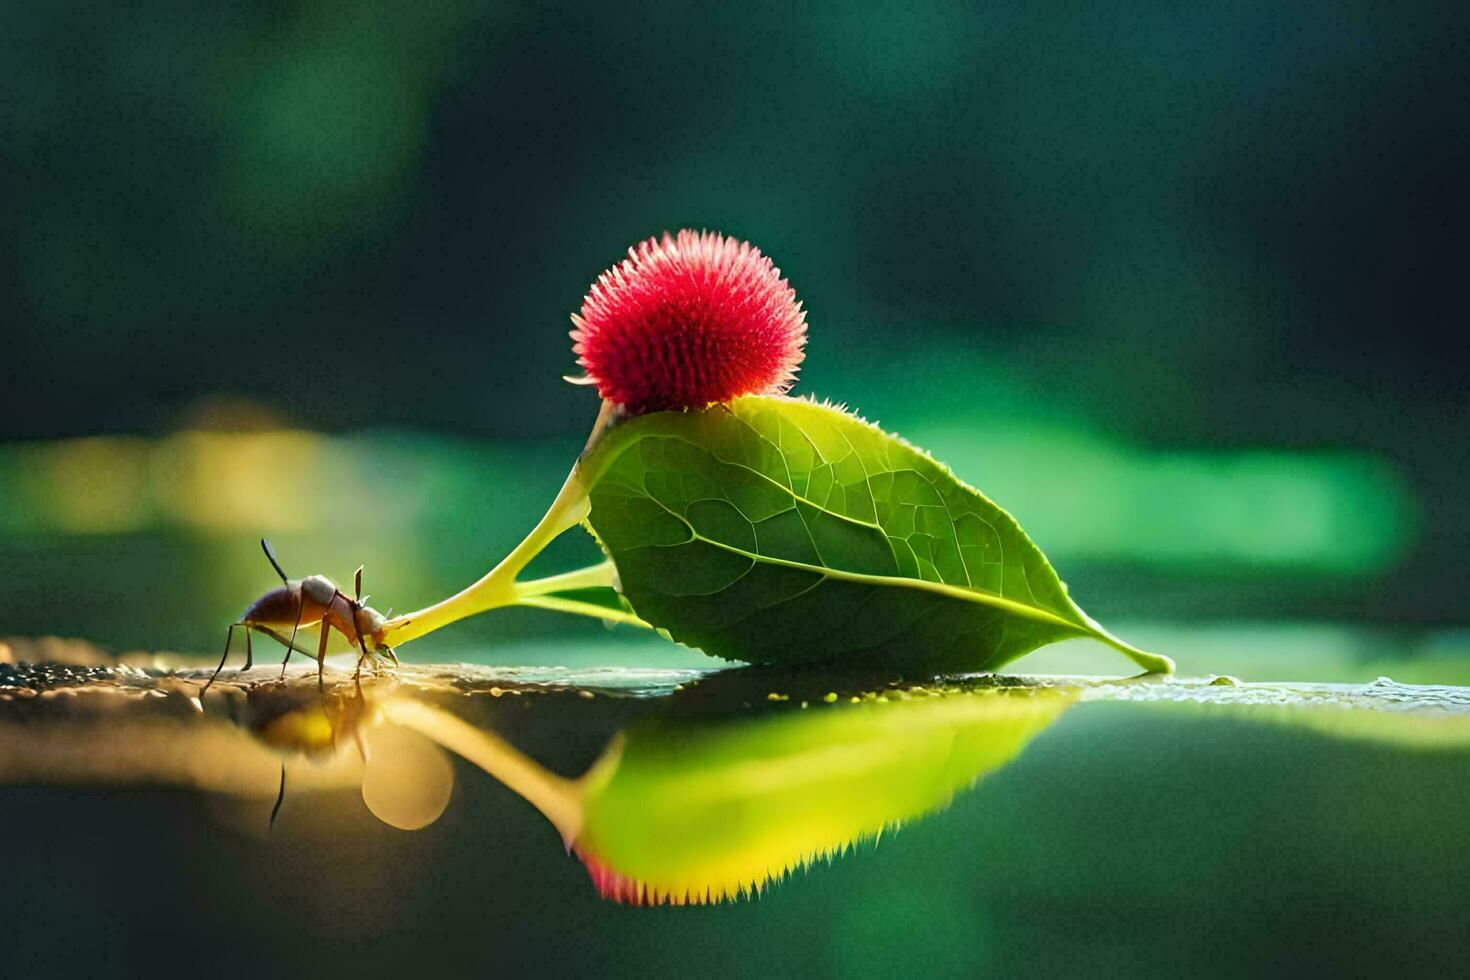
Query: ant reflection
293, 720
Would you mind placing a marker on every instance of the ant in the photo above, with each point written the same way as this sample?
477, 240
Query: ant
309, 601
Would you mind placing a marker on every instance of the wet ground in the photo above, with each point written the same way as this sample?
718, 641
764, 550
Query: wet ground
476, 818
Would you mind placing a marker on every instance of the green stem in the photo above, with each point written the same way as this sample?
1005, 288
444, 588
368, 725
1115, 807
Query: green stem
499, 586
541, 594
1154, 663
601, 575
578, 608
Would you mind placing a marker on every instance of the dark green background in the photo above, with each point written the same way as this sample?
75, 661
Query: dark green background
1225, 222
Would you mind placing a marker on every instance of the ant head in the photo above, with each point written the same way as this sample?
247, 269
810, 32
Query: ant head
318, 589
369, 620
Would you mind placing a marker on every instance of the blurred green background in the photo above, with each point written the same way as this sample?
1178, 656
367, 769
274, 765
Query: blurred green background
1176, 284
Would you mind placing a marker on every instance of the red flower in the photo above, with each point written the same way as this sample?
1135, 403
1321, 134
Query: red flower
687, 321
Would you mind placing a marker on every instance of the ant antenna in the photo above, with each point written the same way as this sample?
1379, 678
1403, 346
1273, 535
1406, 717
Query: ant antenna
270, 554
280, 798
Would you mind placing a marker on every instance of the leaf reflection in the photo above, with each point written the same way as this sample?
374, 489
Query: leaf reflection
711, 798
696, 810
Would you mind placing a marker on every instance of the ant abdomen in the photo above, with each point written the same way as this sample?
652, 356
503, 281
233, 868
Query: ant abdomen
277, 606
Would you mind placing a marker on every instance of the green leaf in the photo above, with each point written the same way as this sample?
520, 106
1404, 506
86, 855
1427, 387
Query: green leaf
776, 530
695, 809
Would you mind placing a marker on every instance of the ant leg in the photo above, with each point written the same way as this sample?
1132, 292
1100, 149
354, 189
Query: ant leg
301, 608
362, 653
321, 656
229, 635
249, 654
280, 798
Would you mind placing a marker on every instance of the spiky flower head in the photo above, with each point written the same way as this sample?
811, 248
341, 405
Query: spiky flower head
689, 320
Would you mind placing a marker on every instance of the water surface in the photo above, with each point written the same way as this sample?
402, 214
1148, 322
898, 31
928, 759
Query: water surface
835, 823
